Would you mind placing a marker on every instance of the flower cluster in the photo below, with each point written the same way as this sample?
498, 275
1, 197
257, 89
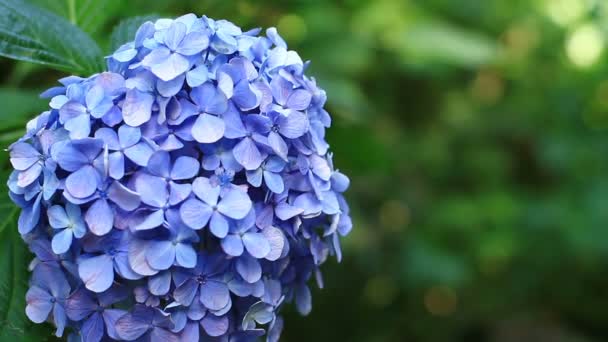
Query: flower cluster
183, 195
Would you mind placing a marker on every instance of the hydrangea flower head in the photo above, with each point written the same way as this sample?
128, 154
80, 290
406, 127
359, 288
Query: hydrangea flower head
185, 194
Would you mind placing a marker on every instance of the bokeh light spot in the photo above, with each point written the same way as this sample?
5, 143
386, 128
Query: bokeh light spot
565, 12
585, 45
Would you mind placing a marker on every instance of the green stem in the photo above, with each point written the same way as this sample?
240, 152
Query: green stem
72, 11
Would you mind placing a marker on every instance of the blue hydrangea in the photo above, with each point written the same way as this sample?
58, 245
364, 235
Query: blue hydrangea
185, 194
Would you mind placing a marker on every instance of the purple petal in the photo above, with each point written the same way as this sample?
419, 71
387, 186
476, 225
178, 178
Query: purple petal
208, 128
131, 326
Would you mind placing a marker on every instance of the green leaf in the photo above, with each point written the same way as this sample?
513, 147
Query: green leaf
22, 105
29, 33
125, 31
89, 15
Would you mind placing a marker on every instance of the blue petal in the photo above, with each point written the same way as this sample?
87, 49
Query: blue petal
214, 295
159, 164
232, 245
184, 168
93, 328
174, 35
100, 217
249, 268
235, 204
97, 273
193, 43
83, 183
195, 213
247, 154
152, 189
39, 304
206, 191
137, 107
278, 145
208, 128
274, 182
215, 326
62, 241
58, 217
160, 254
218, 225
124, 197
185, 255
293, 125
256, 244
172, 67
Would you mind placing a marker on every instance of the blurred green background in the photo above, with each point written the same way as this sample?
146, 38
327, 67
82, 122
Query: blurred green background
475, 133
